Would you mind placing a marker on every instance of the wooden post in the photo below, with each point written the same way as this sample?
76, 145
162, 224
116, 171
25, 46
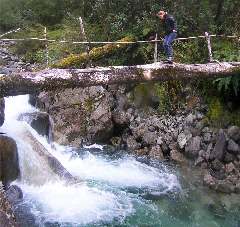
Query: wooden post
46, 46
208, 38
84, 38
156, 49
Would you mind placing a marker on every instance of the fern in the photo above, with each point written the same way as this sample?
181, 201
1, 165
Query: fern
228, 84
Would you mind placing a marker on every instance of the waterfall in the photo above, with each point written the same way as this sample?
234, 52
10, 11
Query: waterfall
111, 191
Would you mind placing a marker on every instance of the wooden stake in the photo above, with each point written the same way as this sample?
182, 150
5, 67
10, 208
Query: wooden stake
208, 38
46, 46
156, 49
84, 37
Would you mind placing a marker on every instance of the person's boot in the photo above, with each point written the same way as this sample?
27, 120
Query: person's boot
170, 60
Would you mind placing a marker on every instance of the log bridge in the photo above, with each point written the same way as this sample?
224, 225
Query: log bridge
58, 79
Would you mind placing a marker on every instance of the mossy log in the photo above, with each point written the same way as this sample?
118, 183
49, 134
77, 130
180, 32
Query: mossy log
97, 53
57, 79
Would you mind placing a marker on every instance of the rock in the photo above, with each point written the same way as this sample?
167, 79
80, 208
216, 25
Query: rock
4, 220
218, 185
209, 180
165, 149
120, 118
177, 156
79, 115
207, 137
2, 108
199, 161
183, 139
40, 121
233, 147
190, 119
193, 147
156, 152
234, 133
217, 165
229, 157
14, 194
150, 138
132, 144
9, 166
229, 168
7, 218
219, 150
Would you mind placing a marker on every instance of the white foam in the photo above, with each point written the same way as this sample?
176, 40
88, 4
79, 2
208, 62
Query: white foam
76, 204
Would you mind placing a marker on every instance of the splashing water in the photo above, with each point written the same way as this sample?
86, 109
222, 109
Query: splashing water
101, 198
115, 191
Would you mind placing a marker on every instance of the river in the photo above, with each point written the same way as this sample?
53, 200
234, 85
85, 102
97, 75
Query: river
114, 188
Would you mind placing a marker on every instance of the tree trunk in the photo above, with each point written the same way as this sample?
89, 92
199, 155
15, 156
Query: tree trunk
56, 79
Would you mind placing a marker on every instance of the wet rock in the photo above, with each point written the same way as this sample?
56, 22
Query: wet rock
193, 147
4, 220
2, 108
218, 185
9, 166
219, 150
233, 147
39, 121
14, 194
156, 152
234, 133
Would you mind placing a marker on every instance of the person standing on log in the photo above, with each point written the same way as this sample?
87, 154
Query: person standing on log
170, 28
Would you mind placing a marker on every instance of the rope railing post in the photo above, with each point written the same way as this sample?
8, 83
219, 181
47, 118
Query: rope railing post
208, 38
84, 37
156, 49
46, 47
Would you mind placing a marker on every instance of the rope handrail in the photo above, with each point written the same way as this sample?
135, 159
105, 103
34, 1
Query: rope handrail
114, 42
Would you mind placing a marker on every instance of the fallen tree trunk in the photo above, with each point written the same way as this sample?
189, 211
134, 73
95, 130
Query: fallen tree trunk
55, 79
97, 53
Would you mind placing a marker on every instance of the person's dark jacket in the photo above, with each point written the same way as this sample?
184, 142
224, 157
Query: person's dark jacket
169, 24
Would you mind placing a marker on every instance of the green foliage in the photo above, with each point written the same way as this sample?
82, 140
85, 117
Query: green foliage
228, 84
219, 115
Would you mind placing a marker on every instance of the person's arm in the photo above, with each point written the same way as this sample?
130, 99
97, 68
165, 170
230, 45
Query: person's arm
173, 24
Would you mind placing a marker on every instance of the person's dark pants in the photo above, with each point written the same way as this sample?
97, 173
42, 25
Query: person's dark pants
167, 44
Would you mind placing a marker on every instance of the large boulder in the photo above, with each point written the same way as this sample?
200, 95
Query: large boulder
9, 166
234, 133
2, 115
219, 150
79, 115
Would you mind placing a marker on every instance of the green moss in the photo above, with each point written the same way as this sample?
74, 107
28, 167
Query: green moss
95, 54
89, 104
